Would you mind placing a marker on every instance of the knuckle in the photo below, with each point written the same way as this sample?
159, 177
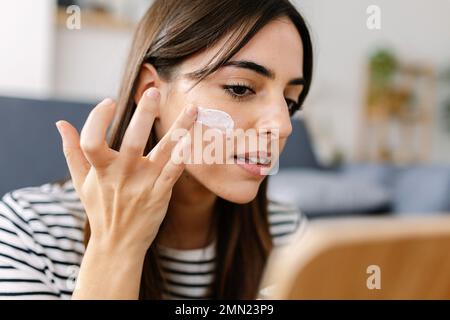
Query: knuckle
88, 146
168, 177
133, 148
149, 107
180, 121
163, 147
68, 153
172, 175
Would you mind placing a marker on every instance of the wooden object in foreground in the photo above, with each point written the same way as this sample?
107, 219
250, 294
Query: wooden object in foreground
363, 258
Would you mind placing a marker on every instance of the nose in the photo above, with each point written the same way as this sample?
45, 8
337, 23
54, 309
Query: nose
275, 116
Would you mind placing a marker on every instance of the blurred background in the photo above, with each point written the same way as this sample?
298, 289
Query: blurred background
373, 138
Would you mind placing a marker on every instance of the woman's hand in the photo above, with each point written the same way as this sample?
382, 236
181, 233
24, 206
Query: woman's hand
125, 194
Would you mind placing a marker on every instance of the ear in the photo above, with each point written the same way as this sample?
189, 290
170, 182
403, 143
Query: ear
148, 77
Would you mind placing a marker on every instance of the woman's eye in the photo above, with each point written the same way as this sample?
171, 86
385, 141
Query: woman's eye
238, 91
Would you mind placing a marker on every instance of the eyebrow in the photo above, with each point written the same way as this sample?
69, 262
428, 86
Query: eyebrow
245, 64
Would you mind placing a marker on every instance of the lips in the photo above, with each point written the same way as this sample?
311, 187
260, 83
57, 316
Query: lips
258, 158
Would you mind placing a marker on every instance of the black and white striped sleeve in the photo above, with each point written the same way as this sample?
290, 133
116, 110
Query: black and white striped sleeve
22, 270
285, 222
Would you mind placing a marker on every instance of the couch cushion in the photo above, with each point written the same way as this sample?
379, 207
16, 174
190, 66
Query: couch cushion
422, 189
383, 174
318, 193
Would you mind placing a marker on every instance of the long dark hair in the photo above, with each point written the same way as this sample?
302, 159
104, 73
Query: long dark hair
170, 32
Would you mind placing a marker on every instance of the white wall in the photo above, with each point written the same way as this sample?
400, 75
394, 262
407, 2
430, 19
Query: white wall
417, 30
89, 62
26, 47
39, 58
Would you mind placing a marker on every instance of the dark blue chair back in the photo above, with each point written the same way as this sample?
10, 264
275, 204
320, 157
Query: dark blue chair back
31, 152
299, 151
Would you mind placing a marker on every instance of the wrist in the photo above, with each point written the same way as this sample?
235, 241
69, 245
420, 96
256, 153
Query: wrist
109, 271
118, 246
122, 249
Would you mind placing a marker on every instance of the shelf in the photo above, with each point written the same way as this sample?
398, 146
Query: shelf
96, 19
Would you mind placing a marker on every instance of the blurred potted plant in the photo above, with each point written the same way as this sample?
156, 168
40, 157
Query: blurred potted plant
383, 65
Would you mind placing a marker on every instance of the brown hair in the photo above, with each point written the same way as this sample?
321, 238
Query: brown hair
170, 32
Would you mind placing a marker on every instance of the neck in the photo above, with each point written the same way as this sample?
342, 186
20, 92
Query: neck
187, 224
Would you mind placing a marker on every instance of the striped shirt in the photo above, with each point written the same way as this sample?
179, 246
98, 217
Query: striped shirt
41, 246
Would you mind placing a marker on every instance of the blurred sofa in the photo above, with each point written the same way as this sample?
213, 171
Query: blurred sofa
31, 152
355, 189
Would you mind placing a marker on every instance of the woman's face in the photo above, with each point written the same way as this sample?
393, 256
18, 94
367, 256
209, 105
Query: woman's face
277, 48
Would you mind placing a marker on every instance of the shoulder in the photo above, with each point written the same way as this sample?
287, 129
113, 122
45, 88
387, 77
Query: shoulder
284, 221
41, 236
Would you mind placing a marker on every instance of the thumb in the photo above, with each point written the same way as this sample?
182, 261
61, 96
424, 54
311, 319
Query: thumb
76, 161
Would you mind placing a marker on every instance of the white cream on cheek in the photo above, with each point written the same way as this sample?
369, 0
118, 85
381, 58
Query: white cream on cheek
216, 119
213, 118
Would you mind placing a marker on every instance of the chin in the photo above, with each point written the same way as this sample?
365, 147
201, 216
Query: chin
236, 191
227, 182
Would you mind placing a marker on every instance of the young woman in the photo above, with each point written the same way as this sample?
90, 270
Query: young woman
132, 223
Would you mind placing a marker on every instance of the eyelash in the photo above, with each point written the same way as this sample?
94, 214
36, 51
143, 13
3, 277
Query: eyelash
229, 90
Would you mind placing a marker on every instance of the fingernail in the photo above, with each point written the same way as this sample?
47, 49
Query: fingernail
58, 126
191, 110
152, 93
107, 101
